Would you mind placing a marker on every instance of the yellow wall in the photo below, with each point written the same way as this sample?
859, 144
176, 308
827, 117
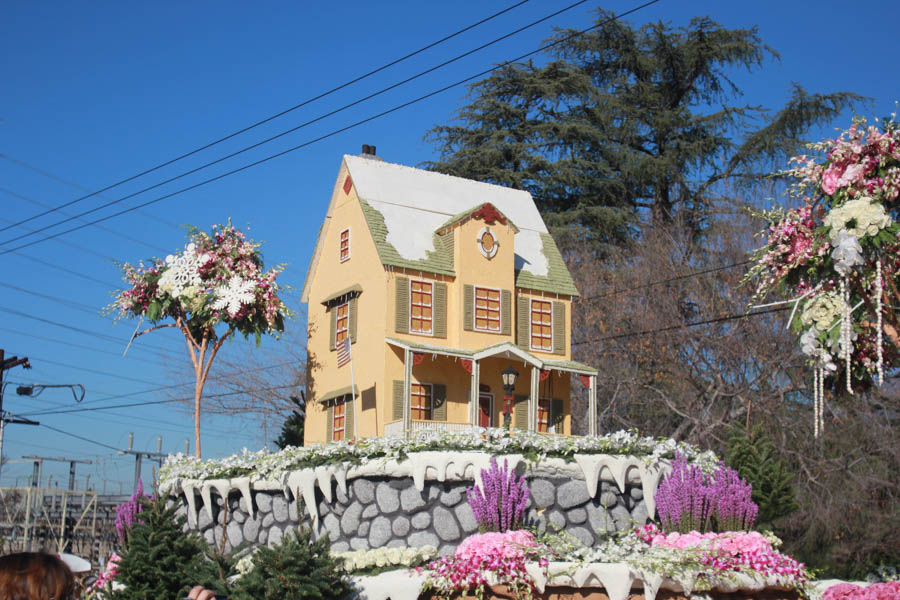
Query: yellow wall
331, 275
441, 369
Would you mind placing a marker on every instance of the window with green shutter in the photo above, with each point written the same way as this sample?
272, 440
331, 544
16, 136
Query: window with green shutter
354, 317
329, 419
520, 412
397, 400
522, 316
438, 402
559, 328
440, 310
557, 415
468, 307
402, 305
506, 312
349, 417
333, 315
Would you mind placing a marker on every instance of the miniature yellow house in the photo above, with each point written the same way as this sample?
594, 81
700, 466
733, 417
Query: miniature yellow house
440, 284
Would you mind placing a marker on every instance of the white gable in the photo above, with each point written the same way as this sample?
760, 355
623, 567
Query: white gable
415, 203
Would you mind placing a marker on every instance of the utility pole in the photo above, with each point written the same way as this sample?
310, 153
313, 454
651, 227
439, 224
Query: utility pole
139, 455
5, 365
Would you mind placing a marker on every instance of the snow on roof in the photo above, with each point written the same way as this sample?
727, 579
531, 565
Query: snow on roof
415, 203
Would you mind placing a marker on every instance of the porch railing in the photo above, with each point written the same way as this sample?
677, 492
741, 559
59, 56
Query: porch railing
395, 429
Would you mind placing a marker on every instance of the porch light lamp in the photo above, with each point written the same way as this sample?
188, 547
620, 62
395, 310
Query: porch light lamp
509, 376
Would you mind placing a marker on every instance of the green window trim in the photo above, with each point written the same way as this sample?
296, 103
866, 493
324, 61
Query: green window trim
438, 402
520, 412
401, 298
523, 319
468, 307
439, 310
397, 400
559, 327
505, 312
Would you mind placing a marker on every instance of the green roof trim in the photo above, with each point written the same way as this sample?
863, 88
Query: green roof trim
344, 391
569, 365
465, 215
560, 365
558, 279
354, 289
440, 261
430, 347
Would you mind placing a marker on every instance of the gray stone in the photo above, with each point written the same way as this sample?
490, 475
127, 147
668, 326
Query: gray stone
242, 505
543, 492
622, 517
599, 518
238, 516
557, 520
433, 491
268, 520
387, 498
251, 529
220, 517
369, 512
446, 549
341, 546
423, 538
363, 490
577, 515
608, 499
264, 502
280, 509
359, 543
572, 493
445, 524
396, 543
350, 518
400, 526
203, 520
363, 530
380, 532
210, 536
637, 493
639, 513
582, 535
341, 496
465, 517
292, 511
421, 520
235, 535
275, 535
410, 499
452, 497
263, 536
332, 525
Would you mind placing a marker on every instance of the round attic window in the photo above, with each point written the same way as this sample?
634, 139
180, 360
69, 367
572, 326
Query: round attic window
487, 243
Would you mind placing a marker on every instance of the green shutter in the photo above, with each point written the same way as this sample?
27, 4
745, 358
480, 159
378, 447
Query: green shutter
402, 308
349, 416
556, 414
520, 412
333, 311
398, 400
522, 330
439, 310
329, 427
506, 312
468, 307
354, 317
559, 328
438, 402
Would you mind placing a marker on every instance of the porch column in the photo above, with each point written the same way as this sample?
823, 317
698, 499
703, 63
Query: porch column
474, 392
407, 378
533, 398
592, 405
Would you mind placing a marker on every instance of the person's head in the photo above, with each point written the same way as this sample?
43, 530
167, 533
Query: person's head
35, 576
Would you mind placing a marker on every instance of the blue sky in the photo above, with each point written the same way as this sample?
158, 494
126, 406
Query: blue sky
93, 93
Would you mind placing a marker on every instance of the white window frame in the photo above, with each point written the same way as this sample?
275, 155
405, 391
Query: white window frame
551, 427
475, 326
337, 319
334, 415
531, 325
411, 330
340, 236
430, 399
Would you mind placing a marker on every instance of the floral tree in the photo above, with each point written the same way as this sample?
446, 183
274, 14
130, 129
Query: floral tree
213, 288
836, 258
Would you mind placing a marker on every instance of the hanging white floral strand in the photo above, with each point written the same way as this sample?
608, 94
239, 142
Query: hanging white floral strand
816, 393
879, 341
821, 400
845, 331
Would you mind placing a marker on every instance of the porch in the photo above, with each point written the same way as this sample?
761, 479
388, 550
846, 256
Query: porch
451, 389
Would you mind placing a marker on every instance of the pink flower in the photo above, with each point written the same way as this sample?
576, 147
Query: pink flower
507, 545
830, 179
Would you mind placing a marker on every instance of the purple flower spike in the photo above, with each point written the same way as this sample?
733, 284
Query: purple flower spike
499, 504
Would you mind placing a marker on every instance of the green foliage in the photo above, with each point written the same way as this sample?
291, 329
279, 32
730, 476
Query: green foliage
755, 459
292, 431
297, 569
625, 121
162, 561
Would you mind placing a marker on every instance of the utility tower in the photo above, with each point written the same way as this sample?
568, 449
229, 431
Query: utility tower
158, 456
5, 365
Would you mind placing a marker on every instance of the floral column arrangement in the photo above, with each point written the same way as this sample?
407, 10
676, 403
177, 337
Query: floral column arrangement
213, 288
837, 257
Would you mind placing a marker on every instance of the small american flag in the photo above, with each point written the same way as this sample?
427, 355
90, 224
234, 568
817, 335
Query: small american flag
343, 351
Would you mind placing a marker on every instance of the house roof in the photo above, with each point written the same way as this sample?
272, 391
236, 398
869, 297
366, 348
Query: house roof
406, 207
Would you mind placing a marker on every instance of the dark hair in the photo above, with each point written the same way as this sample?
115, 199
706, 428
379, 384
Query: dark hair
35, 576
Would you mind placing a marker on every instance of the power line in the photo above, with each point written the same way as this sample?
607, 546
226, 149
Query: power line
670, 279
310, 142
82, 438
267, 119
682, 326
69, 303
51, 265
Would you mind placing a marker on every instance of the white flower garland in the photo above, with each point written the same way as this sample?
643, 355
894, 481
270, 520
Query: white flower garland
845, 331
879, 349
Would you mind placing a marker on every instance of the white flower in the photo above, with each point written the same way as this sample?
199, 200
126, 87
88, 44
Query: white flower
868, 218
230, 297
822, 310
847, 252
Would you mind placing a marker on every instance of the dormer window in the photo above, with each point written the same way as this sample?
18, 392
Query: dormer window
541, 325
421, 306
345, 245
